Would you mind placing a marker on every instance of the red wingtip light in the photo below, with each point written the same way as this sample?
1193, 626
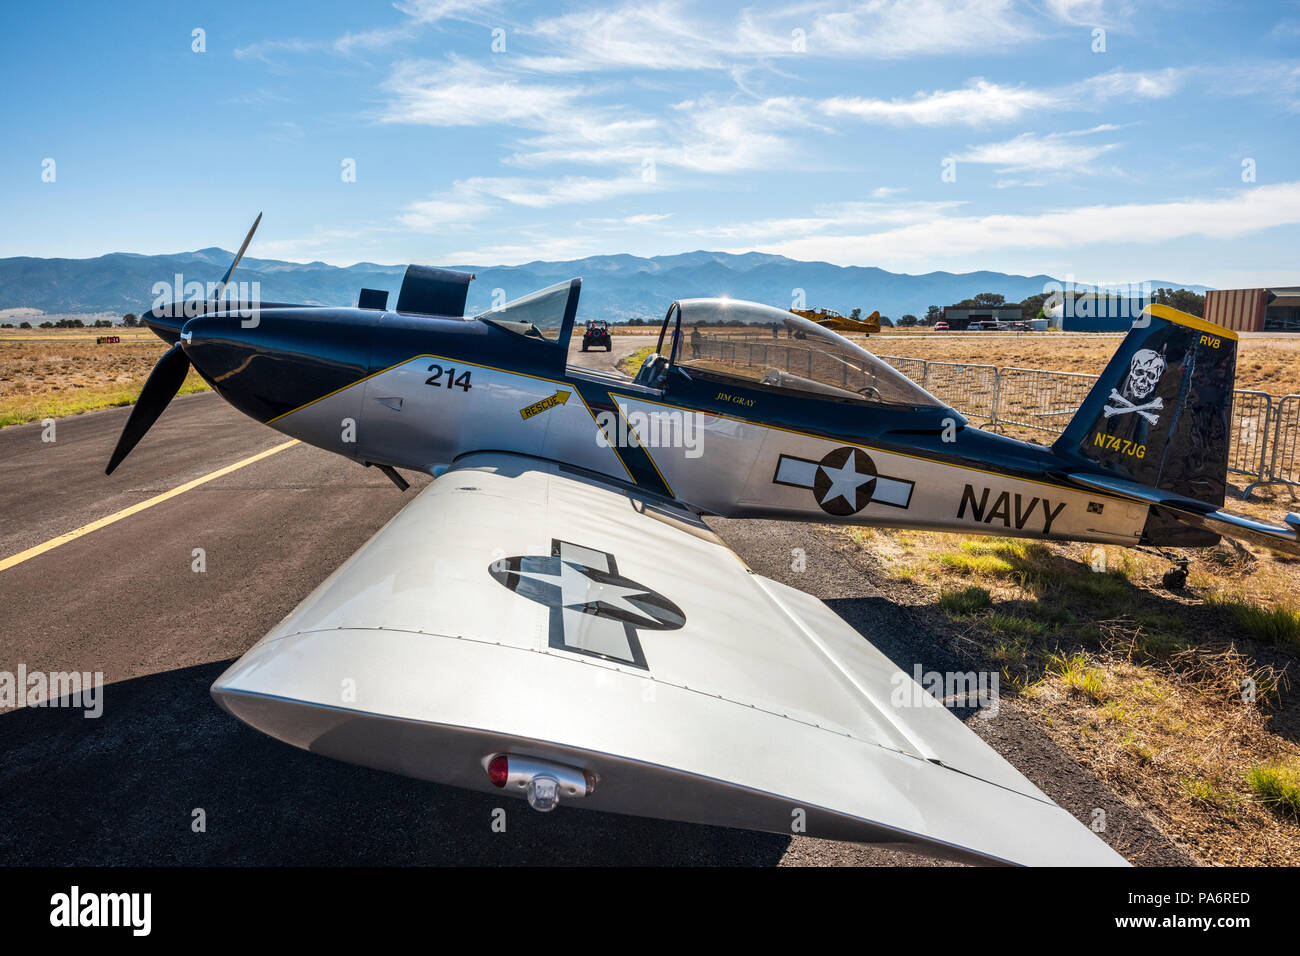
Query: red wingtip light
499, 770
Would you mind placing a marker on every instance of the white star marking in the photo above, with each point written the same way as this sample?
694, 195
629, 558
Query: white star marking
844, 483
578, 591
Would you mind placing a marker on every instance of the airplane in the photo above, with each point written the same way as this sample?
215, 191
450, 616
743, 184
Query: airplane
829, 318
552, 619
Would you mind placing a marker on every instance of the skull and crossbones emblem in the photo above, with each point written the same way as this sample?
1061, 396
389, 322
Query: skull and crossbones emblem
1143, 376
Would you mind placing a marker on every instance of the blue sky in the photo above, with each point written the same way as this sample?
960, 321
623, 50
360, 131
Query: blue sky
816, 130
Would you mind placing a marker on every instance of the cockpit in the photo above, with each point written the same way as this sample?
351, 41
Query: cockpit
726, 340
758, 345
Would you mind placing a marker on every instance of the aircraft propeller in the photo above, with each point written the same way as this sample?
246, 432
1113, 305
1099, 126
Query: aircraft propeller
167, 376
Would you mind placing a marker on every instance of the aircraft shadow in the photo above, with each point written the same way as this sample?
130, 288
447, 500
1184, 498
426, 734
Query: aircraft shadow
122, 790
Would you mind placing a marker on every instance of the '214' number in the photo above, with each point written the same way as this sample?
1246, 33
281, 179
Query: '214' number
452, 381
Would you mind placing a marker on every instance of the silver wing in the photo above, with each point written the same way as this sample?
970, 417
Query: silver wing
518, 607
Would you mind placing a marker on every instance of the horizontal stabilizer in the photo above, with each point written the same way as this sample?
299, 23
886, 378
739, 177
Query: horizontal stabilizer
1198, 514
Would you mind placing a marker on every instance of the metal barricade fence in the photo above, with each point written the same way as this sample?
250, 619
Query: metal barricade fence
971, 389
913, 368
1284, 456
1249, 433
1041, 400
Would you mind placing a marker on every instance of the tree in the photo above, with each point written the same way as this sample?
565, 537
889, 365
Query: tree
985, 300
886, 322
47, 325
129, 320
910, 319
1032, 306
933, 314
855, 314
24, 325
1184, 300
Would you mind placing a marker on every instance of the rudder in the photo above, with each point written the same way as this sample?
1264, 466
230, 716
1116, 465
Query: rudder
1161, 412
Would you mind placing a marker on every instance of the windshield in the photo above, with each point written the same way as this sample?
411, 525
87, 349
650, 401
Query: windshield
766, 346
539, 314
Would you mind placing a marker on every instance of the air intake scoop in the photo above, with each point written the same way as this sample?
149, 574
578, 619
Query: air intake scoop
429, 291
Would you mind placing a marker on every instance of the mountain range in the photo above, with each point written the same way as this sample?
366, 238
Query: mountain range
615, 287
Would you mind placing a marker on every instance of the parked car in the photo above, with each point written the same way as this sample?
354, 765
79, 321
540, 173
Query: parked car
597, 334
941, 326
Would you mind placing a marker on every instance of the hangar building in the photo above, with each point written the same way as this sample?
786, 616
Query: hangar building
959, 318
1255, 310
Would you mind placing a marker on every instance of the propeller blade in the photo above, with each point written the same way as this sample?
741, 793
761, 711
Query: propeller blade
221, 286
164, 382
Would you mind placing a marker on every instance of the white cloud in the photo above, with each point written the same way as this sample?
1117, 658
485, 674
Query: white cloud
1277, 80
652, 36
709, 135
1051, 158
265, 50
665, 35
369, 40
474, 198
892, 29
420, 12
835, 217
1123, 84
451, 210
431, 11
467, 94
562, 123
943, 236
542, 193
978, 103
981, 102
1091, 13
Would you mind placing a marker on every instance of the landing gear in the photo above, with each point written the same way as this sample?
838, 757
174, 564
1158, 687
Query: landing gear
1175, 579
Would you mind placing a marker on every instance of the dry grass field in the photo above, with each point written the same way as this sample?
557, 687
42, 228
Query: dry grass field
1182, 701
47, 373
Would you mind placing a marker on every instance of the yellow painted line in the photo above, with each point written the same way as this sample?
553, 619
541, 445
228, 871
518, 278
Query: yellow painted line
53, 543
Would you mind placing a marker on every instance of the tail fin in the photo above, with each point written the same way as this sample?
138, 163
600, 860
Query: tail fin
1160, 413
